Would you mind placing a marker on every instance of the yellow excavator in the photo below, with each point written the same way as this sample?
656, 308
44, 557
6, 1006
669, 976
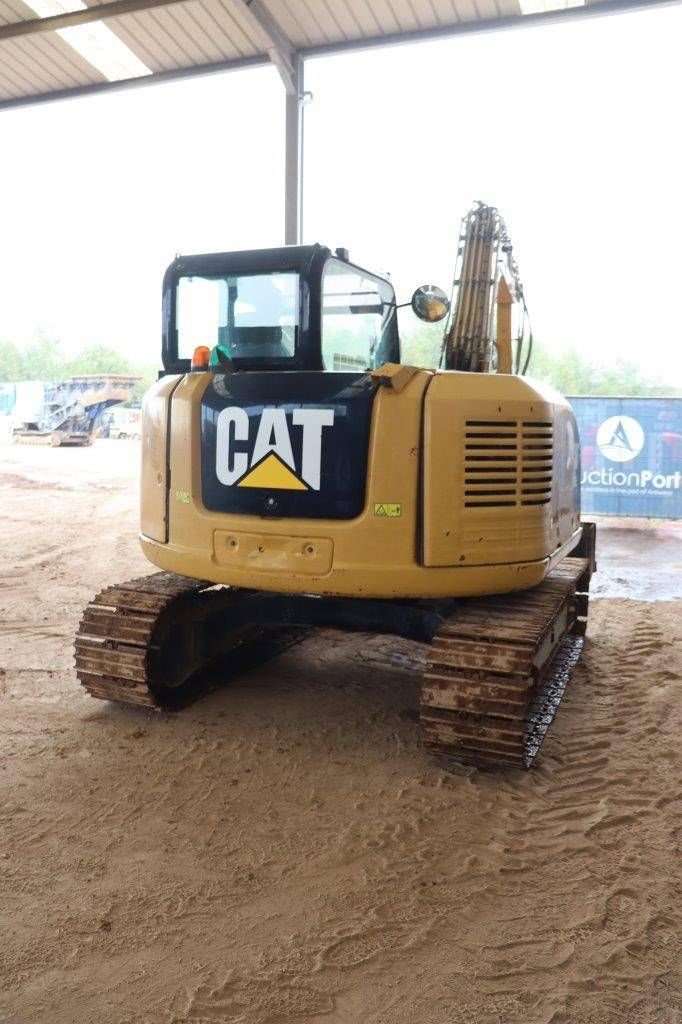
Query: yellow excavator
297, 475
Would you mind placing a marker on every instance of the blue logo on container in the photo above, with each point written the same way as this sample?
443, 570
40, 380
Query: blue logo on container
620, 438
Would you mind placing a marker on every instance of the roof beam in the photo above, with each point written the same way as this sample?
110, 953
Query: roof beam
124, 85
508, 21
280, 49
109, 9
282, 52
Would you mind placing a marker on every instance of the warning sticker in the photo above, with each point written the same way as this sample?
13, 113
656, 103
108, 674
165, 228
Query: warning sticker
183, 496
387, 508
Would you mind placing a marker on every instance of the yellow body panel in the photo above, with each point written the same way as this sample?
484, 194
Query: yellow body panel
481, 427
154, 470
414, 537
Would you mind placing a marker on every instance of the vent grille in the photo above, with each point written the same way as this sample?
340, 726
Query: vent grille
537, 452
507, 463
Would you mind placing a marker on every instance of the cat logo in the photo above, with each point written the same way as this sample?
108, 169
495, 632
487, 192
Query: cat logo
271, 465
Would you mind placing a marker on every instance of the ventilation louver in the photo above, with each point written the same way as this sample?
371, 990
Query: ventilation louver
507, 463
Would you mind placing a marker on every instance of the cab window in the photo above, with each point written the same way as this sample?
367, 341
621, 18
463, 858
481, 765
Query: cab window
358, 319
248, 316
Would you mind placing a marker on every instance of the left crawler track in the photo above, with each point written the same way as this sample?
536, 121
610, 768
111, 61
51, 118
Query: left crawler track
150, 641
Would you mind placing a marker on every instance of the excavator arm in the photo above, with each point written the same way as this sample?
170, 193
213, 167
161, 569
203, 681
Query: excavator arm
478, 335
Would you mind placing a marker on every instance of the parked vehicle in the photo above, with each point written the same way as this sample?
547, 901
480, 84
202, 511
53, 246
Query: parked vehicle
125, 423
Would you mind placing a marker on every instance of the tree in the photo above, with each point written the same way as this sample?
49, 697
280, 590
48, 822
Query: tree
572, 374
43, 359
421, 346
568, 370
11, 362
97, 359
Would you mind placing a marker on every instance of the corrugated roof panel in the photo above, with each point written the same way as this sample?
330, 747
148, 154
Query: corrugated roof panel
8, 90
405, 16
181, 25
320, 16
26, 66
508, 7
445, 12
11, 12
145, 44
28, 63
427, 14
175, 35
219, 27
166, 53
300, 35
249, 40
56, 51
466, 9
214, 31
190, 34
47, 53
365, 17
32, 65
298, 22
13, 78
487, 9
449, 8
345, 23
385, 16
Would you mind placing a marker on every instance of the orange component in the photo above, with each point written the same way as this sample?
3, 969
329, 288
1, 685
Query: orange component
200, 357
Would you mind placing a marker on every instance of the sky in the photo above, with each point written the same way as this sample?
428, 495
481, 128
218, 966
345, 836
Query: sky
570, 130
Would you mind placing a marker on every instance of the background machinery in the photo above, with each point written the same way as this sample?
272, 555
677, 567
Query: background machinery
64, 412
296, 475
122, 423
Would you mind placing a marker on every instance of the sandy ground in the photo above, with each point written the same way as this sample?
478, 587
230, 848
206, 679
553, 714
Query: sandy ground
284, 851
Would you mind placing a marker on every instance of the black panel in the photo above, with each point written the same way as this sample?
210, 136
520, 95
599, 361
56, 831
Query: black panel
344, 443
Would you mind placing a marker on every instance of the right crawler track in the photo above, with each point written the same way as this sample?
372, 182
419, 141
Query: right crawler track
498, 666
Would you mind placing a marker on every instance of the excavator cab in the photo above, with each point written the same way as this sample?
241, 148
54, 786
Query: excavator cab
299, 308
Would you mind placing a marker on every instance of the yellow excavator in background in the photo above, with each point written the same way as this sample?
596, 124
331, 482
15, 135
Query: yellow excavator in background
296, 474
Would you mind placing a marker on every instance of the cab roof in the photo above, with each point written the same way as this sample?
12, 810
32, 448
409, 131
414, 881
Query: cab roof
284, 257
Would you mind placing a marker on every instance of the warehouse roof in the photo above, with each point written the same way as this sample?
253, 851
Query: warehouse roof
54, 48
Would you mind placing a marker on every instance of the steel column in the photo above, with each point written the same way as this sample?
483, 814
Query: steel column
289, 64
293, 160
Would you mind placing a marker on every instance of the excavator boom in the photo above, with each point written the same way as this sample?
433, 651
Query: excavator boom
478, 336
